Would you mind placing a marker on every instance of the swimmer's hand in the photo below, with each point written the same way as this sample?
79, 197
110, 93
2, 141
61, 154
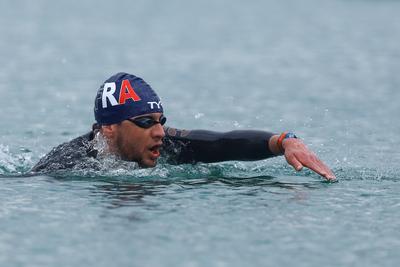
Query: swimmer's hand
299, 156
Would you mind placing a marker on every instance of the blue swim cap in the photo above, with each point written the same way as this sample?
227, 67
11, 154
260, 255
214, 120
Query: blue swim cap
123, 96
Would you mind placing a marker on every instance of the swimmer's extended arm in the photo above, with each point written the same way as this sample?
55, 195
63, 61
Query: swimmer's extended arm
207, 146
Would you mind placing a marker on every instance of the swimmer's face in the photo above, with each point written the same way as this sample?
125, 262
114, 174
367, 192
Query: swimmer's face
134, 143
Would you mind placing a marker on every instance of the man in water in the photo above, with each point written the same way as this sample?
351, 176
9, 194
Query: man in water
130, 122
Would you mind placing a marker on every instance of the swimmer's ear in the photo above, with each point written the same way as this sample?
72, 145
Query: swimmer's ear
108, 131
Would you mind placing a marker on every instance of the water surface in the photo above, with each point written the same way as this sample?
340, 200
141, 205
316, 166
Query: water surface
327, 70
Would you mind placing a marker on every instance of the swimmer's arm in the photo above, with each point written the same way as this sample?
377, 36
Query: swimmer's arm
209, 146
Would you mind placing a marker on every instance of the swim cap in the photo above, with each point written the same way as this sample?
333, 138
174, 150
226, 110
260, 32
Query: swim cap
124, 96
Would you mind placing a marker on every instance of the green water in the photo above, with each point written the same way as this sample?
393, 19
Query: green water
327, 70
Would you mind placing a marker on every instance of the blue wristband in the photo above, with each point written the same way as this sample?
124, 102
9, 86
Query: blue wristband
290, 135
284, 136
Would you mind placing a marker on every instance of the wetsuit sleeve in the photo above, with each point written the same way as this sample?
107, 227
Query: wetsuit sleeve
67, 155
181, 146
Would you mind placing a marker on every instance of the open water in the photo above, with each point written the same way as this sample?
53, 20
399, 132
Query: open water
327, 70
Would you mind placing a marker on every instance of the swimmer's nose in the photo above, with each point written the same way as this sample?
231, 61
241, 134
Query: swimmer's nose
157, 131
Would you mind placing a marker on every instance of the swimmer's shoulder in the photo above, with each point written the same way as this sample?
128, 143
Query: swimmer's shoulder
65, 155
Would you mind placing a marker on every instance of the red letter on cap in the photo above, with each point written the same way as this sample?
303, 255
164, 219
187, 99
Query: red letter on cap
127, 92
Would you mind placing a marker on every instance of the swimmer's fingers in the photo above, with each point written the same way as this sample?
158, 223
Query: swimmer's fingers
298, 155
292, 160
313, 163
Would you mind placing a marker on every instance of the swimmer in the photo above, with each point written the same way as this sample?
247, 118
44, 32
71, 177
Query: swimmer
130, 120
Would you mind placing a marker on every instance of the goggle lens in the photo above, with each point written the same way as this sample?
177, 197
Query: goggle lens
147, 122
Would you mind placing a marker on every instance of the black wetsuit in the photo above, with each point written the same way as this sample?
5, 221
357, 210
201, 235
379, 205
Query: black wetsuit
179, 146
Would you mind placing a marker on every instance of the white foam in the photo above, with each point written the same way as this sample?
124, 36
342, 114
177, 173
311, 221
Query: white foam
10, 163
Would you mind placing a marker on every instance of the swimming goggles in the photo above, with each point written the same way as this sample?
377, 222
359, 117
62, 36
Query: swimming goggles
147, 121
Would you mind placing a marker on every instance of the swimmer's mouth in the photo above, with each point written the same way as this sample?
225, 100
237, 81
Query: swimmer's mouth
155, 150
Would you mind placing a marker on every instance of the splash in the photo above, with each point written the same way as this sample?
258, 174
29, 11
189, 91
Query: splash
11, 163
114, 169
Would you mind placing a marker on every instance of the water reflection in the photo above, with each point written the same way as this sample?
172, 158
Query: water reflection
119, 194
